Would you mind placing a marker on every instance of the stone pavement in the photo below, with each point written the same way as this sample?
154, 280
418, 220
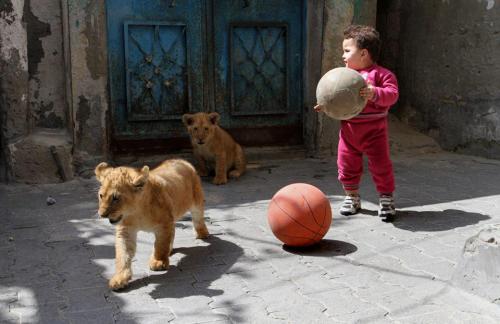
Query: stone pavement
55, 260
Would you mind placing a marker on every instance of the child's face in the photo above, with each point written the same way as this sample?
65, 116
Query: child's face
354, 57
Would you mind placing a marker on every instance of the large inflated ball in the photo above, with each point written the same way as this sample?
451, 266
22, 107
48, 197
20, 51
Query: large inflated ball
299, 214
338, 93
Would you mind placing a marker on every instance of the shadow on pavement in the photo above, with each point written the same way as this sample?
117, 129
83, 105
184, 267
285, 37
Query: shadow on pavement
434, 221
205, 263
324, 248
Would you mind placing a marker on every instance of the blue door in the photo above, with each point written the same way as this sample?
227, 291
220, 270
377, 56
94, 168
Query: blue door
258, 69
169, 57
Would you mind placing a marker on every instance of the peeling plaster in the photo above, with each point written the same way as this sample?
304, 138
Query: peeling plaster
6, 10
46, 66
95, 22
10, 24
36, 30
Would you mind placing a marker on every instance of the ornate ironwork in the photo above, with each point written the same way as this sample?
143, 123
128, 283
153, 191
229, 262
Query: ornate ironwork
156, 71
258, 70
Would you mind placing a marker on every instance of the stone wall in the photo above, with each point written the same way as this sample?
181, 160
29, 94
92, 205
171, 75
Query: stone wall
448, 65
45, 63
338, 14
88, 72
13, 81
35, 142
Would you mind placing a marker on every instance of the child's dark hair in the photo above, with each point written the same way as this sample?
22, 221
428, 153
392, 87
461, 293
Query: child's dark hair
366, 37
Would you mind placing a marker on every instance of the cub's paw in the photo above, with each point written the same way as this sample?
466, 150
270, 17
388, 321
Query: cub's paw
202, 233
118, 282
234, 174
158, 265
219, 180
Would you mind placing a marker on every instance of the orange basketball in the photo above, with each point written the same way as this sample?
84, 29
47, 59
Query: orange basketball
299, 214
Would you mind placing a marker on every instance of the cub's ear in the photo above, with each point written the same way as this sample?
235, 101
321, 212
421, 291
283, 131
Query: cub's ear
214, 118
142, 178
188, 119
101, 170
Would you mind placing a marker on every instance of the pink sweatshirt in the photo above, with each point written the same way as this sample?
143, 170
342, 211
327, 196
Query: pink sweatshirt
386, 93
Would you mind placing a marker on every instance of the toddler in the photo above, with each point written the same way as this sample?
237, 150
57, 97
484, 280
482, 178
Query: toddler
367, 133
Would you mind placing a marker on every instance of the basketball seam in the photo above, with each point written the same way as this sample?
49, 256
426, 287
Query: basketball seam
310, 209
316, 233
286, 213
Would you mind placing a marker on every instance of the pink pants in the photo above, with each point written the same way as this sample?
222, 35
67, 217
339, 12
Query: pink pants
370, 138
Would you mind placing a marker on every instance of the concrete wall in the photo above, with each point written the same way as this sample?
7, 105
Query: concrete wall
45, 63
13, 81
87, 64
338, 14
448, 67
35, 143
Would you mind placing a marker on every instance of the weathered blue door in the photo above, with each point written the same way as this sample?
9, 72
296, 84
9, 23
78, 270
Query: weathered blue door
240, 58
258, 69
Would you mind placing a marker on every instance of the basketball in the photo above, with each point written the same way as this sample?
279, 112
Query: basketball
299, 214
338, 93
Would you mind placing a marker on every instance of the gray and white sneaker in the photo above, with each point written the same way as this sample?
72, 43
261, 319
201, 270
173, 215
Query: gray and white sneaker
351, 205
387, 208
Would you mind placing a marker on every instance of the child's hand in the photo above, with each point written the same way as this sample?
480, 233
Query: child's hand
368, 92
318, 108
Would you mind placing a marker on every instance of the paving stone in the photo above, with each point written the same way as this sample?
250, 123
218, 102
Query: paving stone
303, 310
85, 299
101, 316
46, 313
139, 308
342, 305
234, 290
248, 313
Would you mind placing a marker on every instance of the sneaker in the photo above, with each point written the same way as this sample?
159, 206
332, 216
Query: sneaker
351, 205
387, 208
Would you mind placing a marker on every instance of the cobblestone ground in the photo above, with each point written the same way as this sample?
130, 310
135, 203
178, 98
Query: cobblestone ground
56, 260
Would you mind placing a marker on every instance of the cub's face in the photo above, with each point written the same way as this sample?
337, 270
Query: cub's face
201, 126
120, 187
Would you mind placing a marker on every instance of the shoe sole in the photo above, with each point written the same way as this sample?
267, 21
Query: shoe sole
349, 213
387, 217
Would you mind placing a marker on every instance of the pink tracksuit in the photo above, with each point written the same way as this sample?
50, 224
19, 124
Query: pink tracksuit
367, 134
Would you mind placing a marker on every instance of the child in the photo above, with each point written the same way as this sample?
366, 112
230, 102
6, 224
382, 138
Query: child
367, 133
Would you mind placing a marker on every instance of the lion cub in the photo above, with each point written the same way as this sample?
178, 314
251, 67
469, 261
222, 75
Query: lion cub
140, 199
214, 147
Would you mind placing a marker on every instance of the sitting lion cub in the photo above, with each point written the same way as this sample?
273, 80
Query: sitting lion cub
213, 146
140, 199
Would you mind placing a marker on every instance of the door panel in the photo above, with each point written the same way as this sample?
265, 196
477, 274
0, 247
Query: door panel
240, 58
258, 69
156, 66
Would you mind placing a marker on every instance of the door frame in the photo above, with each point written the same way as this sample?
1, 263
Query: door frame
312, 58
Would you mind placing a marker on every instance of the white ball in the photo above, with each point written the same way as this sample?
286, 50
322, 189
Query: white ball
338, 93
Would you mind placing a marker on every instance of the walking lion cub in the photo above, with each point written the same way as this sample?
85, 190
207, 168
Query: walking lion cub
148, 200
213, 147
